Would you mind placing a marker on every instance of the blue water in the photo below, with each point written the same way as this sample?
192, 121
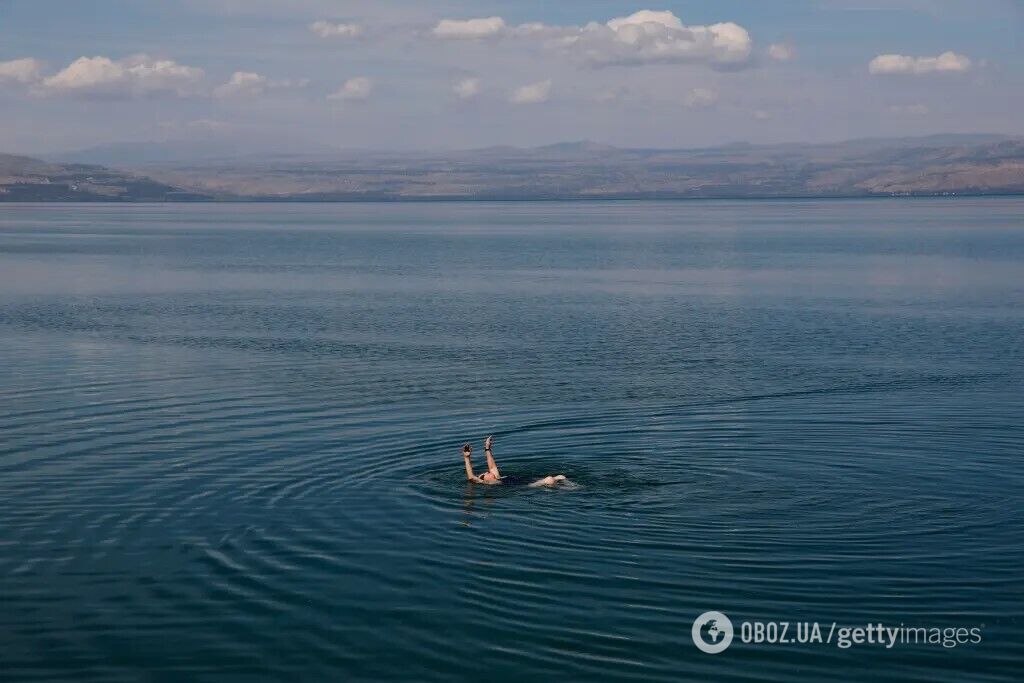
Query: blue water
230, 438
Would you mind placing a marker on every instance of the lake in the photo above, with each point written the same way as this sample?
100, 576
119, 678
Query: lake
231, 438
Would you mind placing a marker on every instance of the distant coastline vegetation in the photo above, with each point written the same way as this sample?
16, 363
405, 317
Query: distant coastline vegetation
926, 166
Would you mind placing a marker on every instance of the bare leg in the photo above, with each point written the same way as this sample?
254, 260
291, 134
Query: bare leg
492, 466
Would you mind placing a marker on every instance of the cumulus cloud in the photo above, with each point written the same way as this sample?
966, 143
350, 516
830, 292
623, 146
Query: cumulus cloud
648, 36
250, 84
700, 98
469, 29
21, 71
242, 83
781, 52
947, 62
467, 88
641, 38
532, 93
134, 76
354, 89
329, 29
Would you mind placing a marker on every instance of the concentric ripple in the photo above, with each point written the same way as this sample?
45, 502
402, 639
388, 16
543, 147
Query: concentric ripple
231, 439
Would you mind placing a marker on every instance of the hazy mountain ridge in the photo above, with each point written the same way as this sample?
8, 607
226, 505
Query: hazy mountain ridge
943, 164
32, 180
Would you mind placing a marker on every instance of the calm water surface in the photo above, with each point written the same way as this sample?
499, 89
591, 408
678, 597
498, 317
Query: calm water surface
231, 438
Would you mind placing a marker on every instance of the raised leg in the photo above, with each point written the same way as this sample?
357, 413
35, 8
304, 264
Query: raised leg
492, 466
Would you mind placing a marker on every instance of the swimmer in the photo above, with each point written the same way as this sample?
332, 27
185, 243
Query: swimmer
492, 475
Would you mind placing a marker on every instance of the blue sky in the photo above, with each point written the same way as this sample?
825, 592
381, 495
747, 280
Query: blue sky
451, 74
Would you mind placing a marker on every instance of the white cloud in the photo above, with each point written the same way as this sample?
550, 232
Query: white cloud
242, 83
916, 109
471, 29
641, 38
468, 88
134, 76
762, 115
700, 98
781, 52
947, 62
358, 88
328, 29
250, 84
21, 71
647, 37
533, 93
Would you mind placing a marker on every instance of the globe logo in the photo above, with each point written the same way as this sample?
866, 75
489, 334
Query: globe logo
712, 632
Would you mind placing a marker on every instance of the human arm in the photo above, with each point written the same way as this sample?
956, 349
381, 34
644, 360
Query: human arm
466, 451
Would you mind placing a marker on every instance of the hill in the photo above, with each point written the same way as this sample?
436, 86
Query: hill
31, 180
936, 165
976, 164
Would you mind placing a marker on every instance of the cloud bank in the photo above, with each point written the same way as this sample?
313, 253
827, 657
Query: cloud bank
467, 88
327, 29
781, 52
140, 75
250, 84
647, 36
534, 93
21, 71
353, 90
469, 29
947, 62
643, 37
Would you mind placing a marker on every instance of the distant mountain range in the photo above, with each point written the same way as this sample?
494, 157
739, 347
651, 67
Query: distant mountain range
936, 165
31, 180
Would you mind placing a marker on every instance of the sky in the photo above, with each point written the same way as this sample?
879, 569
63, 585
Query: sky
456, 74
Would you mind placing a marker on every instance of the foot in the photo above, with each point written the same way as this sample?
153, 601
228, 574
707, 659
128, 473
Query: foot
466, 450
487, 443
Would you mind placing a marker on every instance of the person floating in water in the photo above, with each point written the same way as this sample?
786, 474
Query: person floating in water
492, 476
